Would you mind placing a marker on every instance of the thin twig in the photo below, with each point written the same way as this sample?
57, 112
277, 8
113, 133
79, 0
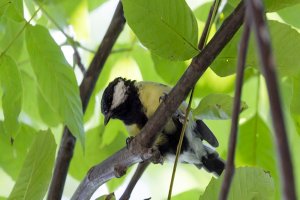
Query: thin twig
180, 144
105, 171
67, 144
137, 175
257, 17
77, 59
229, 169
210, 19
70, 39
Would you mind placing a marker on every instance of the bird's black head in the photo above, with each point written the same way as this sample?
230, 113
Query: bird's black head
120, 100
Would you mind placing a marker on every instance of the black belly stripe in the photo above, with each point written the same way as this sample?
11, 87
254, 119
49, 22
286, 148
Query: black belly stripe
171, 140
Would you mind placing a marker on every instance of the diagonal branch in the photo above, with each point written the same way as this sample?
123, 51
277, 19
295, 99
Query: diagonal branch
257, 17
137, 175
67, 144
229, 172
106, 170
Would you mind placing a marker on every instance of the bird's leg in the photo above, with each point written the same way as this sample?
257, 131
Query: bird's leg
147, 154
156, 156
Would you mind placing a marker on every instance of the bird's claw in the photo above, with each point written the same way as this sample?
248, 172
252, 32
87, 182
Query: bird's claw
128, 141
163, 97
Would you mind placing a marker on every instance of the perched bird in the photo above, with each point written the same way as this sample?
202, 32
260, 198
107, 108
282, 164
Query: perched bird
135, 102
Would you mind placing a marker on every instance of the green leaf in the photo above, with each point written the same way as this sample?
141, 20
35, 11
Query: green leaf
13, 155
36, 172
271, 5
295, 104
12, 9
168, 28
144, 60
248, 183
216, 106
169, 71
285, 43
93, 4
55, 78
255, 146
9, 29
12, 93
191, 194
202, 11
290, 15
100, 144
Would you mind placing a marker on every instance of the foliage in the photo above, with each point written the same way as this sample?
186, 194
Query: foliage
248, 183
39, 78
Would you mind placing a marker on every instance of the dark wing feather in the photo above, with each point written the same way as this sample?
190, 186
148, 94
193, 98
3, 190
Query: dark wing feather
205, 133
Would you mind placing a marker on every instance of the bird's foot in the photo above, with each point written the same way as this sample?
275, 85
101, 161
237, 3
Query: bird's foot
154, 156
128, 141
119, 171
163, 97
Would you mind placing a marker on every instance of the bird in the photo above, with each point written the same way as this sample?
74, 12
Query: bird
134, 102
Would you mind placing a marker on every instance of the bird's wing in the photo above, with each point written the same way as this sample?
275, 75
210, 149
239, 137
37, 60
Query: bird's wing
205, 133
200, 128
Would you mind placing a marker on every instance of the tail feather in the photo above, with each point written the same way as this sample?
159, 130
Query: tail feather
213, 164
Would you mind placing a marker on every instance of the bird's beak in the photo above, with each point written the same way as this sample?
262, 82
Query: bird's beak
107, 118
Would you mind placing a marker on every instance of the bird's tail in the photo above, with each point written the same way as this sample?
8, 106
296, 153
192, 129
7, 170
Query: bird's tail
212, 163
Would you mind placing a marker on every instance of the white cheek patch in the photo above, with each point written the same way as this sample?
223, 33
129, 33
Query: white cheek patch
119, 94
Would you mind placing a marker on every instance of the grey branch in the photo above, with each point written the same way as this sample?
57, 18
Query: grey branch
104, 171
67, 144
229, 170
257, 17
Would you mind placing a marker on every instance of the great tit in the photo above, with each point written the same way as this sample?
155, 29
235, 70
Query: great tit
135, 102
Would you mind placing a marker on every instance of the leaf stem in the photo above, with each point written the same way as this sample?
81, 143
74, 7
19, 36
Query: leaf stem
19, 33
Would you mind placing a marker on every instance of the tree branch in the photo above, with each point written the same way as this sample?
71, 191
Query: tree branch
67, 144
104, 171
137, 175
229, 172
257, 17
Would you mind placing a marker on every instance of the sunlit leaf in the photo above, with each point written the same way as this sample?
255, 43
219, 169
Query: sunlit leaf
169, 71
12, 9
289, 15
93, 4
97, 149
34, 178
55, 78
9, 29
216, 106
11, 84
202, 11
285, 43
168, 28
13, 155
271, 5
248, 183
255, 145
191, 194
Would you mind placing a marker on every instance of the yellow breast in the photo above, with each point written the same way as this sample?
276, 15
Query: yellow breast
150, 94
